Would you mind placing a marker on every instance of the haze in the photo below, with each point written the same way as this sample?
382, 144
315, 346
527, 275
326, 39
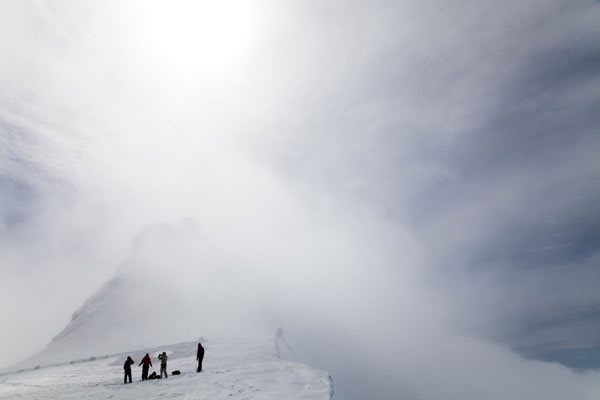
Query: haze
410, 189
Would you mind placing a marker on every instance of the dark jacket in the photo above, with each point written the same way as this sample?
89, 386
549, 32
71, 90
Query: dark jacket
146, 361
200, 354
163, 359
128, 363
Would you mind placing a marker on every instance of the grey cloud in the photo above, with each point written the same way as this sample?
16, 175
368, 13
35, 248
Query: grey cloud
417, 181
481, 134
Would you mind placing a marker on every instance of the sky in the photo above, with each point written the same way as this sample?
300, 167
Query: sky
409, 188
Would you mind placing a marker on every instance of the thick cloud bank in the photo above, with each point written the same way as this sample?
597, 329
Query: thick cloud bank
409, 189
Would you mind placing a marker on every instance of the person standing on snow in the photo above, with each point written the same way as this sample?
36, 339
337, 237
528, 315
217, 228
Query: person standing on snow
163, 364
200, 357
127, 368
147, 363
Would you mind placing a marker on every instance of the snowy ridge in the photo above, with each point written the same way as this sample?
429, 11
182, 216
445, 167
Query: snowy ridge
149, 302
242, 369
123, 318
102, 325
138, 311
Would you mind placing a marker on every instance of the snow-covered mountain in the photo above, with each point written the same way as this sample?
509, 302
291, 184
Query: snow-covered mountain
85, 359
166, 291
233, 369
120, 316
151, 301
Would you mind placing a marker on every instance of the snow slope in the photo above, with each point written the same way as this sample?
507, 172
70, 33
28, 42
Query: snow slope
242, 369
156, 298
148, 302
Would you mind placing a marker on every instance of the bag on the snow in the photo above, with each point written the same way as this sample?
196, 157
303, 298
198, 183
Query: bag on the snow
176, 372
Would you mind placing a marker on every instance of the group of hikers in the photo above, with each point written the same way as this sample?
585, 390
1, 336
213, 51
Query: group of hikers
146, 363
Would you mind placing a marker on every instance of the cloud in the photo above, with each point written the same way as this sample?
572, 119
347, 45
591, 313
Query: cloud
409, 189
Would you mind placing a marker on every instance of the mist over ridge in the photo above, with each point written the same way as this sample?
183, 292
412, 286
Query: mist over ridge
408, 189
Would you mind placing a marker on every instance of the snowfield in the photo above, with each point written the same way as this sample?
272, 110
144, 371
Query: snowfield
242, 369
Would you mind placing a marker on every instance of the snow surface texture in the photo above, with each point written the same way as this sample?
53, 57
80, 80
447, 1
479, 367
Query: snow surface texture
242, 369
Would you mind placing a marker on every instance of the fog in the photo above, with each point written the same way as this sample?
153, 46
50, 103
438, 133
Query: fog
408, 189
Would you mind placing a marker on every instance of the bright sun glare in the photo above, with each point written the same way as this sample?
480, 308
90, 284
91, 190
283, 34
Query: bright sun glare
195, 38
